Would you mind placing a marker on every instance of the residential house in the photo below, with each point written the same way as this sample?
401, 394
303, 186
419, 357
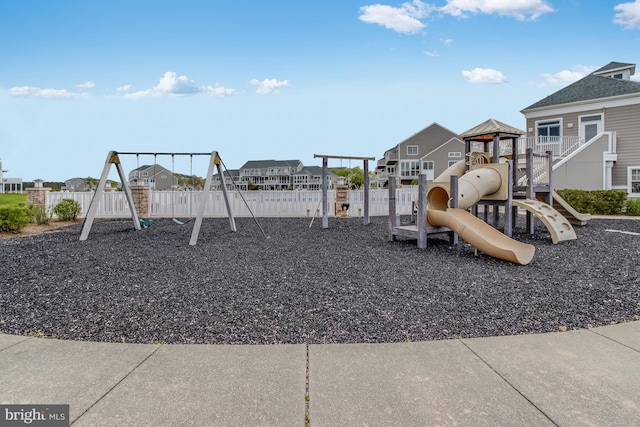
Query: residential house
430, 151
592, 127
231, 179
310, 178
155, 176
269, 174
87, 184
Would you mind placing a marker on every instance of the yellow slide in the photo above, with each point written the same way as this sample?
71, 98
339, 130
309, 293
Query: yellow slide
481, 235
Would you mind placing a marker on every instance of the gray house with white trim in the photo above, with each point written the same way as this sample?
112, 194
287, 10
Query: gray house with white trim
593, 128
430, 151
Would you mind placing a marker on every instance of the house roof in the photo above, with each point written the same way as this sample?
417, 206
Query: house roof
259, 164
147, 167
589, 88
426, 129
614, 66
489, 128
313, 171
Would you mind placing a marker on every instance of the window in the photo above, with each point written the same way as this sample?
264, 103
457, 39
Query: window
617, 76
456, 154
548, 132
634, 181
411, 168
451, 163
391, 170
412, 150
427, 165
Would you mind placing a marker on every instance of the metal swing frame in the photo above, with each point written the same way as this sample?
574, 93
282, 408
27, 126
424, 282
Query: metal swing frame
113, 159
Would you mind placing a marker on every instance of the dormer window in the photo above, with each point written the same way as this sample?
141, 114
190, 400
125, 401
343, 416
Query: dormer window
617, 76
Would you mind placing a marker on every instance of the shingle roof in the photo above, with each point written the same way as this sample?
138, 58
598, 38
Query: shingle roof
589, 88
491, 127
259, 164
614, 66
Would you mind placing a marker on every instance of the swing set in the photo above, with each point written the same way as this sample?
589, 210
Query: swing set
113, 159
325, 186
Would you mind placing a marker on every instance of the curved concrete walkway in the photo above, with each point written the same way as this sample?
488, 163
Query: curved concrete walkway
585, 377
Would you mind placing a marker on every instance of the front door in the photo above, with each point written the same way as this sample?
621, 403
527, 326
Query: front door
590, 126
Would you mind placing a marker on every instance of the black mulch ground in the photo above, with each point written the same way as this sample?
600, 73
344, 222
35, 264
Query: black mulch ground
343, 284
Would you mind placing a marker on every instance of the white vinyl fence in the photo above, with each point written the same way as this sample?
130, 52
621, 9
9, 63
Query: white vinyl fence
184, 204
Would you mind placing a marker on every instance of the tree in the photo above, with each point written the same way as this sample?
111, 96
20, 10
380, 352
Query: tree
353, 176
90, 182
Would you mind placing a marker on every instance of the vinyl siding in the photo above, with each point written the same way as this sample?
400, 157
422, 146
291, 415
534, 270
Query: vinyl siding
625, 121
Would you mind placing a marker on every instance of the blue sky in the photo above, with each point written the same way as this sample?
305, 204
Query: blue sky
280, 80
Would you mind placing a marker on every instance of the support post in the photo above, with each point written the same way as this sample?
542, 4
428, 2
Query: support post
495, 158
112, 158
325, 189
530, 193
453, 203
508, 206
422, 211
366, 219
204, 198
394, 221
550, 175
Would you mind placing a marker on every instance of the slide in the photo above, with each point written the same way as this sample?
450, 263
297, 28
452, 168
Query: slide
481, 235
565, 209
558, 226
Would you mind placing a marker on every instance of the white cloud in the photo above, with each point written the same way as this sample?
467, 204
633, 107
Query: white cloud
446, 42
86, 85
36, 92
269, 85
564, 77
520, 9
628, 14
124, 88
404, 19
431, 54
173, 85
484, 75
218, 90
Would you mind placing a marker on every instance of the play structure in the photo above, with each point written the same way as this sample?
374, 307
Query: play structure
139, 223
504, 182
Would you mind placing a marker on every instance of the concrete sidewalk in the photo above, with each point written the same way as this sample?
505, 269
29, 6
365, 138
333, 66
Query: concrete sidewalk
586, 377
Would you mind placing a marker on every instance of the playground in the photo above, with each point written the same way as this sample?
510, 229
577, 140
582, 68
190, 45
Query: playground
343, 284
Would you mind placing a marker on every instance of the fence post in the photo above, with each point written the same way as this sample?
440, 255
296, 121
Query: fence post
140, 196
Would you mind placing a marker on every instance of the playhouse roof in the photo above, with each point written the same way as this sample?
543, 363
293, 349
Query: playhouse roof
489, 129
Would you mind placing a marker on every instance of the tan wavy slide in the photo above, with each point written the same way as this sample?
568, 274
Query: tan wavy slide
482, 236
473, 186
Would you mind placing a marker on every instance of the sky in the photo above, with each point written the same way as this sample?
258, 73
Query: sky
282, 80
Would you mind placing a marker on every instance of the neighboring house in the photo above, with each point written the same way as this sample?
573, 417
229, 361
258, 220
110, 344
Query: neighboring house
310, 178
593, 128
269, 174
430, 151
76, 184
155, 176
231, 179
84, 184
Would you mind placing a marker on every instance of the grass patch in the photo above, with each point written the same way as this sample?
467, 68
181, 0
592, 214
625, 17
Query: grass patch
13, 199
